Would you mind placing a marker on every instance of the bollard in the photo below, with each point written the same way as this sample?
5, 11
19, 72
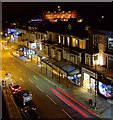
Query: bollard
90, 102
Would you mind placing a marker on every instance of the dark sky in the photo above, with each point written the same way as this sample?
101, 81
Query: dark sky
27, 9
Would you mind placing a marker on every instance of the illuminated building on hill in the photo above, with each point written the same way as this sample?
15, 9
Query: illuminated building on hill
59, 14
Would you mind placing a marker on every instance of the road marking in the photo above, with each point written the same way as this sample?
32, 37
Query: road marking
12, 64
39, 88
45, 78
35, 77
21, 80
31, 81
51, 99
67, 114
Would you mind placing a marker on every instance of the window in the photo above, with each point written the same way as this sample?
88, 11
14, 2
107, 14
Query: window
82, 44
41, 36
96, 57
72, 58
59, 55
87, 60
110, 43
52, 53
68, 41
45, 37
64, 54
74, 42
63, 40
59, 39
110, 62
95, 40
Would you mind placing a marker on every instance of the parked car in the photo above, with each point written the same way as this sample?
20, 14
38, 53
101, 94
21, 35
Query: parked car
14, 87
23, 97
29, 113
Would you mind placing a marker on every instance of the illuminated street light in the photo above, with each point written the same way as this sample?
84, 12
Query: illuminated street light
1, 33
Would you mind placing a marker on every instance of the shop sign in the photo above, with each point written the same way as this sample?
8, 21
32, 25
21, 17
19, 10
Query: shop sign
89, 72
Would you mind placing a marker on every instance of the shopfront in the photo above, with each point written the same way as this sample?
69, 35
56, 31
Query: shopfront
88, 79
30, 53
75, 77
105, 86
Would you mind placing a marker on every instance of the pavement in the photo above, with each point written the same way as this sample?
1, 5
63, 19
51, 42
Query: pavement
9, 108
104, 107
11, 111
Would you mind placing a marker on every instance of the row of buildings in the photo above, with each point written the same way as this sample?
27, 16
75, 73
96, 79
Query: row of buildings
83, 56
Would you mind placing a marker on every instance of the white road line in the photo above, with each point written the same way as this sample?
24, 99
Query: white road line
12, 64
31, 81
39, 88
35, 77
67, 114
21, 80
51, 99
45, 78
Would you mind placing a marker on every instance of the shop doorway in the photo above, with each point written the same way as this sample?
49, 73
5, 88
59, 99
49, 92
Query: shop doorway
92, 84
86, 82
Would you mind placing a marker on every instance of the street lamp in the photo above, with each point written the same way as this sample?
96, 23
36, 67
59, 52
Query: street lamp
95, 104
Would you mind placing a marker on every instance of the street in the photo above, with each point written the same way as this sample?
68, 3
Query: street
50, 102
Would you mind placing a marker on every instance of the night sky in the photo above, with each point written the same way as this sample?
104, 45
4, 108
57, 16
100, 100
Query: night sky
31, 9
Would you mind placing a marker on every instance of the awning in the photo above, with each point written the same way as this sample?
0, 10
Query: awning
71, 69
49, 61
64, 66
61, 63
68, 68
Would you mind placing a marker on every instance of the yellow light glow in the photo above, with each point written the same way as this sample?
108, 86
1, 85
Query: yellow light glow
101, 59
1, 33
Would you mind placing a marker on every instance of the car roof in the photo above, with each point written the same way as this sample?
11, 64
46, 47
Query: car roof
24, 91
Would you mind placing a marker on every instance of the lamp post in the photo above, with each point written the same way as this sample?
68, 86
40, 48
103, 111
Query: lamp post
95, 100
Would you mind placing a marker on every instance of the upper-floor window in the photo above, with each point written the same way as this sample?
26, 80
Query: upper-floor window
95, 40
72, 59
68, 41
59, 39
110, 43
36, 35
74, 42
63, 40
45, 37
82, 44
